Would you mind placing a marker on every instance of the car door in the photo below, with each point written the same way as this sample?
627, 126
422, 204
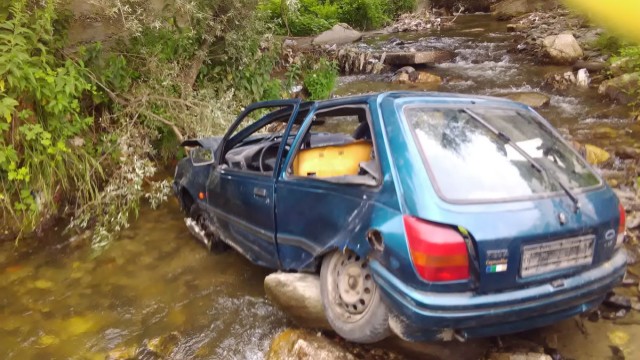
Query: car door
316, 213
242, 200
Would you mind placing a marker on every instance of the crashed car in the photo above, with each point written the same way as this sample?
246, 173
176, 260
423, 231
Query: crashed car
428, 215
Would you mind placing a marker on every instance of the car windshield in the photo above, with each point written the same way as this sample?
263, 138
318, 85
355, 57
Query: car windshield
469, 161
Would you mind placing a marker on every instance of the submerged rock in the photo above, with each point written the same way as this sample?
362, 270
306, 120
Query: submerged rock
621, 88
562, 49
418, 57
621, 67
559, 81
298, 295
416, 77
338, 34
591, 66
593, 154
122, 353
520, 356
533, 99
302, 345
293, 344
618, 301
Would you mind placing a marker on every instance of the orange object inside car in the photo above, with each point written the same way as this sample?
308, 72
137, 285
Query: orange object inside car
333, 160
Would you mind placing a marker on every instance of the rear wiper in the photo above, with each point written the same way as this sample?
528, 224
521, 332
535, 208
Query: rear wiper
548, 174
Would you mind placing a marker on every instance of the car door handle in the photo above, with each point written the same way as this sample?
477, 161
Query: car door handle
260, 192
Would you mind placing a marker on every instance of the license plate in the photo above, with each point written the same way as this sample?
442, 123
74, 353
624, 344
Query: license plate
556, 255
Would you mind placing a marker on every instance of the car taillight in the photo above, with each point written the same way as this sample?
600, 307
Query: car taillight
622, 228
439, 253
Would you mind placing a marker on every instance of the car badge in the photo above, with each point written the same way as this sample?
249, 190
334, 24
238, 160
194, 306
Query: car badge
610, 234
563, 218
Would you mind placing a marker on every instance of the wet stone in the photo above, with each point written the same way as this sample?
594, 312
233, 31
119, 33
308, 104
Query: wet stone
618, 301
520, 356
533, 99
594, 316
302, 345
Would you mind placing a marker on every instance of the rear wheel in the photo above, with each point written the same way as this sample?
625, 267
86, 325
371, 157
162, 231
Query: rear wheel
199, 225
351, 299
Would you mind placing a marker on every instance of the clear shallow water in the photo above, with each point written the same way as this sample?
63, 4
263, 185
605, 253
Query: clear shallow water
59, 303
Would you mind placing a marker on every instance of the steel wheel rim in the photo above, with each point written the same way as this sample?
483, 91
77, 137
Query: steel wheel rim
351, 286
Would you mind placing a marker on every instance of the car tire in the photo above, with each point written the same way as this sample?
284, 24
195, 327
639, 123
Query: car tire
202, 230
351, 299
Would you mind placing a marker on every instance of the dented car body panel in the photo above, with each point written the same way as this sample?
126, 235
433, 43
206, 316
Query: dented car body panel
288, 222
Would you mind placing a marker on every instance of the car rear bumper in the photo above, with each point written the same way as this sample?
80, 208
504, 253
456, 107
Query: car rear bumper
425, 316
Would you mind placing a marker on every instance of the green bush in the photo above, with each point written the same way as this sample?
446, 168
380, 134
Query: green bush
321, 80
399, 7
308, 17
308, 24
44, 149
609, 44
364, 14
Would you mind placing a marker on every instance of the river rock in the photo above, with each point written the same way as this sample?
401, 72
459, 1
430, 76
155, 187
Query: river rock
302, 345
562, 49
559, 81
122, 353
293, 344
593, 154
591, 66
405, 70
520, 356
621, 67
533, 99
416, 77
516, 27
337, 35
621, 88
418, 57
618, 301
159, 347
298, 295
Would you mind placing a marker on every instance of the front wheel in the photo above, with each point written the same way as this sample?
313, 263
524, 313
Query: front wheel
351, 299
199, 224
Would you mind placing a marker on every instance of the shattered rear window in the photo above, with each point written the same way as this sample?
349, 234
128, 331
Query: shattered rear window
468, 162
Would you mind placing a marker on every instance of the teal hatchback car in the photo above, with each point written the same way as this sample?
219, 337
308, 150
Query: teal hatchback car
428, 215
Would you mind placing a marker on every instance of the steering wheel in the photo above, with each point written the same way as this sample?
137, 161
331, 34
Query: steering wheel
261, 159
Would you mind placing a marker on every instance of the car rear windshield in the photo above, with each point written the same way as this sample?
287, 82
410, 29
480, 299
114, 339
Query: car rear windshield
471, 162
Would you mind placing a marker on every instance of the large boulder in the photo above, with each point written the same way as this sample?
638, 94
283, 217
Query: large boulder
418, 57
562, 49
532, 98
304, 345
622, 89
338, 34
298, 295
509, 9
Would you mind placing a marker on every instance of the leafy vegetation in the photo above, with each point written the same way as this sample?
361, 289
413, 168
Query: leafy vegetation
42, 98
625, 58
321, 79
85, 130
308, 17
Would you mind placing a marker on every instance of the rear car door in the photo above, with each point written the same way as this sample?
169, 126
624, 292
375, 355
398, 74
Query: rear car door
240, 193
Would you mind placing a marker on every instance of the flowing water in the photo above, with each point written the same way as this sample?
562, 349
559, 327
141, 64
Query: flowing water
58, 301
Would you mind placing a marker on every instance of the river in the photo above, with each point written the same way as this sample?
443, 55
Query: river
59, 301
